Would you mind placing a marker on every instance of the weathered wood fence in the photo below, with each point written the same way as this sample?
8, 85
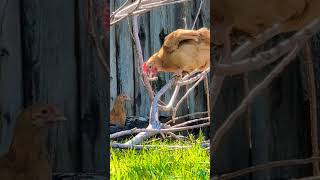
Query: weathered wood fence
46, 56
153, 27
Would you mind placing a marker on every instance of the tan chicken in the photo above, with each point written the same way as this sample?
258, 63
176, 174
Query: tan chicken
118, 112
183, 51
254, 17
28, 157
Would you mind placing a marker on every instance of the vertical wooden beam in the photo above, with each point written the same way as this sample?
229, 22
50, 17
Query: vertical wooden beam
94, 86
310, 78
11, 82
50, 72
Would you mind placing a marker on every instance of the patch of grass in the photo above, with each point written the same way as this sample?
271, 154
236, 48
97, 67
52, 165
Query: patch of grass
162, 163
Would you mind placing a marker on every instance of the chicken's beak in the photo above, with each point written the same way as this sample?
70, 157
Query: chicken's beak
60, 118
152, 77
56, 118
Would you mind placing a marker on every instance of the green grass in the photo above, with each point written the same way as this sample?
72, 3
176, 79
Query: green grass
162, 163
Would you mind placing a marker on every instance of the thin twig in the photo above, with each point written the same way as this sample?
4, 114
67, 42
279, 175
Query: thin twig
134, 9
248, 46
267, 166
185, 80
191, 114
267, 57
171, 134
197, 16
138, 49
191, 121
140, 147
217, 81
175, 109
135, 130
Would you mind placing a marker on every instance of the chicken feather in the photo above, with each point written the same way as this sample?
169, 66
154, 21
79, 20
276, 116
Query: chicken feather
182, 51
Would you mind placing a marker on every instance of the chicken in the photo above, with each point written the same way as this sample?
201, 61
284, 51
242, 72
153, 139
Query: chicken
118, 112
27, 157
254, 17
183, 51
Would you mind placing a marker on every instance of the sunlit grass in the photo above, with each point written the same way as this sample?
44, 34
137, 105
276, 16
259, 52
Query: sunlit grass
162, 163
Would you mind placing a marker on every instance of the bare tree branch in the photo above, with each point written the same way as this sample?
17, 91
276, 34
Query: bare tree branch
269, 165
138, 49
267, 57
140, 147
139, 7
244, 104
156, 131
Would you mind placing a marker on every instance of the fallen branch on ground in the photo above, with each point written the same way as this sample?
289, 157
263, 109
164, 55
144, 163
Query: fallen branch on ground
140, 147
156, 131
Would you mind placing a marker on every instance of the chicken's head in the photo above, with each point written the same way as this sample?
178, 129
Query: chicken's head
149, 68
123, 97
44, 115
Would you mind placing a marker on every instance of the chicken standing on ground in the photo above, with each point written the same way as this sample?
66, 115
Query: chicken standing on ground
27, 158
183, 51
118, 112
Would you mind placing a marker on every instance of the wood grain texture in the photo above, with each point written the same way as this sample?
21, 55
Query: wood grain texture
280, 128
11, 81
51, 71
93, 91
233, 153
279, 121
46, 55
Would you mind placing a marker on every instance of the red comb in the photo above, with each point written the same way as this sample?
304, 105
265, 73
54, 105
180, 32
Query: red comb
145, 67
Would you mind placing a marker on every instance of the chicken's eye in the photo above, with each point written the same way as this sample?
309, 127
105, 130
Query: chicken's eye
150, 66
44, 111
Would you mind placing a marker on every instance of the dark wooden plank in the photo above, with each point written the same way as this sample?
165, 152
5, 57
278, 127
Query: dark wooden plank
94, 91
51, 72
233, 152
280, 122
125, 61
11, 86
113, 62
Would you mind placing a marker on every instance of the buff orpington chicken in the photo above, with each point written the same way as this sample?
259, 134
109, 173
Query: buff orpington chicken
183, 51
118, 113
27, 158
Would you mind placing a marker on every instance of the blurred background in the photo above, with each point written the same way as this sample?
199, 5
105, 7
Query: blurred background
47, 54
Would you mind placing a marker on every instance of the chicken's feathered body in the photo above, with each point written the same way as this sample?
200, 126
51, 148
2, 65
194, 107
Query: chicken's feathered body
182, 51
27, 157
255, 16
118, 112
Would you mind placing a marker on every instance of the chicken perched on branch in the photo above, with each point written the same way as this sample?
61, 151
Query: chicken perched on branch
27, 157
118, 112
183, 51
